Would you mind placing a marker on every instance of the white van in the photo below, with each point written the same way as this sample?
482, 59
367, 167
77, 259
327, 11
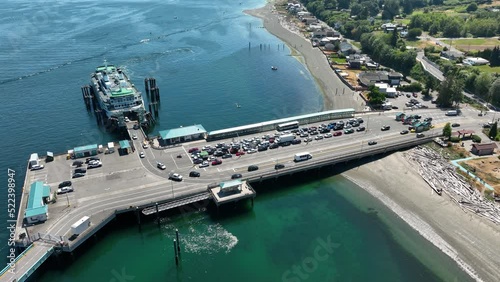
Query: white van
452, 113
302, 157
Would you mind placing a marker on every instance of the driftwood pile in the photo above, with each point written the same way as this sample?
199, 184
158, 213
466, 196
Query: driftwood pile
442, 176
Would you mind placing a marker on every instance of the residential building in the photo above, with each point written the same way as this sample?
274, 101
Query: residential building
472, 61
483, 149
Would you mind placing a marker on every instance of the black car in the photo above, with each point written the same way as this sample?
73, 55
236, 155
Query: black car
236, 176
198, 161
455, 124
262, 148
194, 174
372, 142
77, 163
80, 170
404, 132
64, 184
385, 127
361, 128
274, 146
279, 166
76, 175
253, 168
227, 156
296, 141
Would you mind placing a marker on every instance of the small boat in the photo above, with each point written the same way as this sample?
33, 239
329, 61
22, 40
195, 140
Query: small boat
274, 68
238, 105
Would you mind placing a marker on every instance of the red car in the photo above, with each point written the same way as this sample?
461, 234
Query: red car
217, 162
240, 153
193, 150
337, 133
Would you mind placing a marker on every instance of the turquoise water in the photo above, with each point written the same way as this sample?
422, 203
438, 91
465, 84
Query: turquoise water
199, 53
326, 230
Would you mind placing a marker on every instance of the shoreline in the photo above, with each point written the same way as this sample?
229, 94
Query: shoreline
312, 58
469, 240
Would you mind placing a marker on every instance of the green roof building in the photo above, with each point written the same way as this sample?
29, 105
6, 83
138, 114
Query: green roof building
85, 151
125, 148
182, 134
37, 210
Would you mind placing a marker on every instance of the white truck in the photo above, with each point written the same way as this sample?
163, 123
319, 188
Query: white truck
286, 138
452, 113
302, 157
80, 226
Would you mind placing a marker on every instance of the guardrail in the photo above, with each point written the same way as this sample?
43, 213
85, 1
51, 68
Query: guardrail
341, 158
34, 267
16, 259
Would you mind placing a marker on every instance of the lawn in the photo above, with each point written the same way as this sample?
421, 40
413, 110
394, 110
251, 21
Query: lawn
467, 44
489, 69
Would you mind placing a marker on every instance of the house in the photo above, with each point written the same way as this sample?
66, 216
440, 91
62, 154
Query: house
386, 89
354, 63
303, 14
389, 27
451, 55
368, 78
483, 149
37, 210
182, 134
309, 20
346, 48
472, 61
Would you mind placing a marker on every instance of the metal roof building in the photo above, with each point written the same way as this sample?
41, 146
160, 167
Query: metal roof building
36, 210
182, 134
124, 147
272, 124
85, 151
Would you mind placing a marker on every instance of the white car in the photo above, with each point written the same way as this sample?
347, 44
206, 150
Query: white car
204, 164
145, 145
161, 166
94, 164
251, 151
327, 135
134, 136
142, 155
175, 176
64, 190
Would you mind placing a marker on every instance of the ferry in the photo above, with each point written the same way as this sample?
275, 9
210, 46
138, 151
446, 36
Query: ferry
118, 98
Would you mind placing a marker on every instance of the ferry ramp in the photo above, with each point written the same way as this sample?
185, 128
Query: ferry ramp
27, 262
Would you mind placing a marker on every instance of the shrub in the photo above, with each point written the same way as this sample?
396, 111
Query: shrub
454, 139
476, 139
413, 87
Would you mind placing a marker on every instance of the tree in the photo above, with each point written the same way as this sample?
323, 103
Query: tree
344, 4
447, 130
391, 9
493, 131
414, 33
482, 84
394, 38
472, 7
375, 96
494, 93
407, 6
450, 91
495, 57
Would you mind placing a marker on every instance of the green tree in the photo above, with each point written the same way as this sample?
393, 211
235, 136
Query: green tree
494, 93
391, 9
493, 131
407, 6
472, 7
447, 130
414, 33
344, 4
482, 84
394, 38
450, 91
495, 57
375, 96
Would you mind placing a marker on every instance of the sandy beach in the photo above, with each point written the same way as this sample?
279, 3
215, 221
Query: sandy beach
336, 94
471, 241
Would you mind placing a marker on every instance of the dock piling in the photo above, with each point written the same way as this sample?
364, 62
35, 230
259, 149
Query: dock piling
157, 214
178, 241
176, 253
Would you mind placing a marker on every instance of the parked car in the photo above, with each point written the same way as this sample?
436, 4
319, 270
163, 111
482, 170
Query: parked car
216, 162
175, 177
361, 128
385, 127
80, 170
91, 159
65, 189
78, 174
227, 156
64, 184
337, 133
192, 150
236, 176
94, 164
194, 174
161, 166
204, 164
253, 168
455, 124
240, 153
77, 163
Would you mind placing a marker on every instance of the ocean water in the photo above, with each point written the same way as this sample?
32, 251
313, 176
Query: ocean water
206, 56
